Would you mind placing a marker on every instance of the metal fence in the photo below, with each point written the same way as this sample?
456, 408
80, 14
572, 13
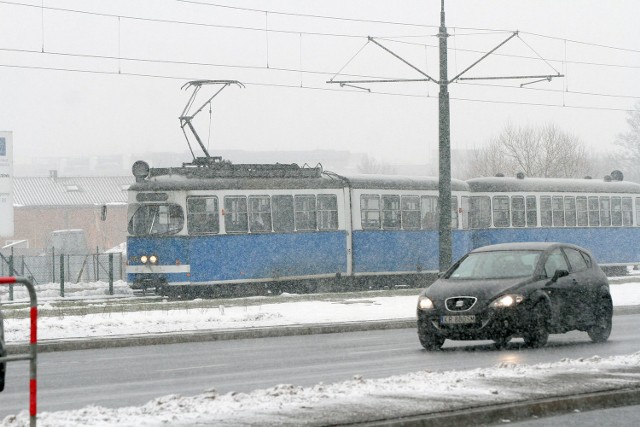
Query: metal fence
54, 268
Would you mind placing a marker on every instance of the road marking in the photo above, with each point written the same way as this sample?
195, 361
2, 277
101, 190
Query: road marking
194, 367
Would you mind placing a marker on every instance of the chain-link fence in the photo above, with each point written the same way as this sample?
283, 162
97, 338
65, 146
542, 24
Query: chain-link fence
54, 268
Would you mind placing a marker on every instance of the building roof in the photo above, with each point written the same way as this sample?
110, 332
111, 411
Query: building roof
71, 191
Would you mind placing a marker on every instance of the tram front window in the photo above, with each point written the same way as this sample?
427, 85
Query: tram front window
155, 219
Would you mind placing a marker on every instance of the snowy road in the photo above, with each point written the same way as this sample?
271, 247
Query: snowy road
132, 376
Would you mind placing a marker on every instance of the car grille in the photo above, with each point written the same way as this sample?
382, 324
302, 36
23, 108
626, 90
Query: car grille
460, 303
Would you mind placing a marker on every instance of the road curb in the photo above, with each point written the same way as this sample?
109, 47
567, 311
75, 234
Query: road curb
517, 411
45, 346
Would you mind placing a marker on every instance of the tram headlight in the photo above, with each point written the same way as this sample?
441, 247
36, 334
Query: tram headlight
153, 259
144, 259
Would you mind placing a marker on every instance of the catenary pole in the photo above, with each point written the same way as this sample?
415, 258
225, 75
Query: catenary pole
444, 150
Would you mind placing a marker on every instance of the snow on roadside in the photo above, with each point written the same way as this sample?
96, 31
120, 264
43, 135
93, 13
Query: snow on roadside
361, 399
232, 317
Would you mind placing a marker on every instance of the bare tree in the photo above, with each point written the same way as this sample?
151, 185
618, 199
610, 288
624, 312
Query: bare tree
629, 142
369, 165
543, 151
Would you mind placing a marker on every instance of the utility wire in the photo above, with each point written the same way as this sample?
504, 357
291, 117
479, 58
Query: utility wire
322, 89
169, 21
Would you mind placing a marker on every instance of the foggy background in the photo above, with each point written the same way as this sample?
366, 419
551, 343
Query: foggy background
88, 87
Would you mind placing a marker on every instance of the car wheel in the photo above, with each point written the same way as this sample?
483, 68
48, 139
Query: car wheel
429, 339
602, 329
502, 342
537, 333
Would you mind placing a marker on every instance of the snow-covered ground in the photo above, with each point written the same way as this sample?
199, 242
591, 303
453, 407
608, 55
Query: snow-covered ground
287, 404
220, 317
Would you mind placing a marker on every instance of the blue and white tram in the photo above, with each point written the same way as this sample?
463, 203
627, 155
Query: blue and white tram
224, 228
601, 215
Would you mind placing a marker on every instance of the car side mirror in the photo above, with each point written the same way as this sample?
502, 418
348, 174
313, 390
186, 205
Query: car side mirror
558, 274
441, 274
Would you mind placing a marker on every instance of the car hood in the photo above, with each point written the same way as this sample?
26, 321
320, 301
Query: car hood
485, 289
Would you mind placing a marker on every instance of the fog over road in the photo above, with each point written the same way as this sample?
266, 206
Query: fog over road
134, 375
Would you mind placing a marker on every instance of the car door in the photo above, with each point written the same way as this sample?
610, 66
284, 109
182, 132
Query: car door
563, 292
584, 282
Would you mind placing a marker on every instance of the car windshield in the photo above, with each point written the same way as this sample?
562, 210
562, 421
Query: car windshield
497, 265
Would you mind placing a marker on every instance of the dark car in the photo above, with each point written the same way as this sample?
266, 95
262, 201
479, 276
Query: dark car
527, 290
3, 352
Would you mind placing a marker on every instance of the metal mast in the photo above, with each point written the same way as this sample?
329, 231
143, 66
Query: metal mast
444, 157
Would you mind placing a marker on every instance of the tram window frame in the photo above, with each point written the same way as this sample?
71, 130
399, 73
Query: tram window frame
305, 212
203, 222
518, 211
170, 215
429, 212
370, 217
570, 217
616, 211
454, 213
480, 212
593, 205
260, 214
464, 205
557, 209
605, 211
410, 212
501, 216
627, 211
282, 213
391, 216
546, 211
532, 211
236, 218
327, 212
582, 211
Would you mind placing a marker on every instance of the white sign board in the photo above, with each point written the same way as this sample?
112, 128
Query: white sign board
6, 184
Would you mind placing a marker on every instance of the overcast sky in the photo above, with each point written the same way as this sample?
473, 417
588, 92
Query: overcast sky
78, 98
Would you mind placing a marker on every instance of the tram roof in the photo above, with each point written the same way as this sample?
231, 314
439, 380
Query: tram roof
177, 182
550, 185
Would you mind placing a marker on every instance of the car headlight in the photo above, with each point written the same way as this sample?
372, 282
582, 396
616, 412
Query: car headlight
144, 259
153, 259
424, 303
507, 301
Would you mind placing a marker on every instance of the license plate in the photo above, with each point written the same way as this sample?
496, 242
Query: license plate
457, 320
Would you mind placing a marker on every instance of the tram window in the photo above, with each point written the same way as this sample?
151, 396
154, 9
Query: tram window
429, 212
582, 212
411, 212
480, 212
545, 211
517, 211
282, 208
454, 212
532, 212
155, 219
627, 211
259, 214
464, 204
390, 212
202, 215
616, 211
370, 211
305, 213
501, 211
570, 211
327, 212
605, 211
594, 212
235, 214
557, 206
576, 260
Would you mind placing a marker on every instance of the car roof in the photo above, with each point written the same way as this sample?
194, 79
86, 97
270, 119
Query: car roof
535, 246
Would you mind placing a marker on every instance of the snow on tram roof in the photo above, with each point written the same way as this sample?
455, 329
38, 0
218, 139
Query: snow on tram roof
551, 185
